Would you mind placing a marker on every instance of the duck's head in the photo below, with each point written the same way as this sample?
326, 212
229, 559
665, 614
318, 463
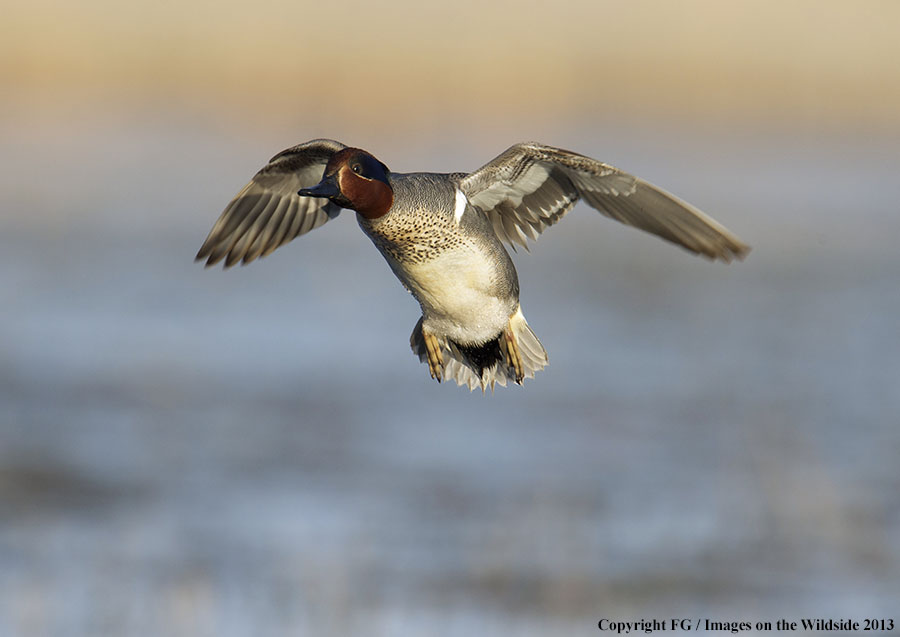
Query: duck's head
355, 179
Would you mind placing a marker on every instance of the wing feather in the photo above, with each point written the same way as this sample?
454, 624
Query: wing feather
268, 212
279, 235
530, 187
267, 229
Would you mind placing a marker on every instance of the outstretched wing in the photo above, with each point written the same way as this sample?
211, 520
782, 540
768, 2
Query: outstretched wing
531, 186
268, 212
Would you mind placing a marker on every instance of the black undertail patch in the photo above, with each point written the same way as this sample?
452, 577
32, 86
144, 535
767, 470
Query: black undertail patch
482, 357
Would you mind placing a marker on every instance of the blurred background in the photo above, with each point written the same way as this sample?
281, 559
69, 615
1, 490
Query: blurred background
256, 451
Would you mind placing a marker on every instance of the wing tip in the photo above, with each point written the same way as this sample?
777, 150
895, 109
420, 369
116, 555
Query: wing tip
204, 255
732, 250
742, 251
212, 259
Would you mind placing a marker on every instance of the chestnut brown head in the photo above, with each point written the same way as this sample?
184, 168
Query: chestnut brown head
354, 179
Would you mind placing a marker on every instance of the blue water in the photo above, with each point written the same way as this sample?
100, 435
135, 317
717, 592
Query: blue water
198, 452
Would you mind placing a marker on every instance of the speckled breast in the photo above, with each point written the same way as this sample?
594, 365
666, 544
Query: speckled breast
420, 225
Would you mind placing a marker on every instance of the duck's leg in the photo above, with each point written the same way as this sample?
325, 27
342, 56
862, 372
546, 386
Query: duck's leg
435, 358
510, 347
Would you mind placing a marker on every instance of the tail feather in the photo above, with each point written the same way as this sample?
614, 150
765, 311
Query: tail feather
476, 366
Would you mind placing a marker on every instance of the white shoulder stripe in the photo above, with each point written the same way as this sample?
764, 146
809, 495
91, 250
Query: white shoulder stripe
461, 203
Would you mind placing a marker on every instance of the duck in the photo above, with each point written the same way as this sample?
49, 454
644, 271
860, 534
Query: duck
444, 236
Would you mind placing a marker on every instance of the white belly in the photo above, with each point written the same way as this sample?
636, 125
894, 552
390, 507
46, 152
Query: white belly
458, 294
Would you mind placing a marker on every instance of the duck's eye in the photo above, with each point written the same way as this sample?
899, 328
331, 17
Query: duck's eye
357, 168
